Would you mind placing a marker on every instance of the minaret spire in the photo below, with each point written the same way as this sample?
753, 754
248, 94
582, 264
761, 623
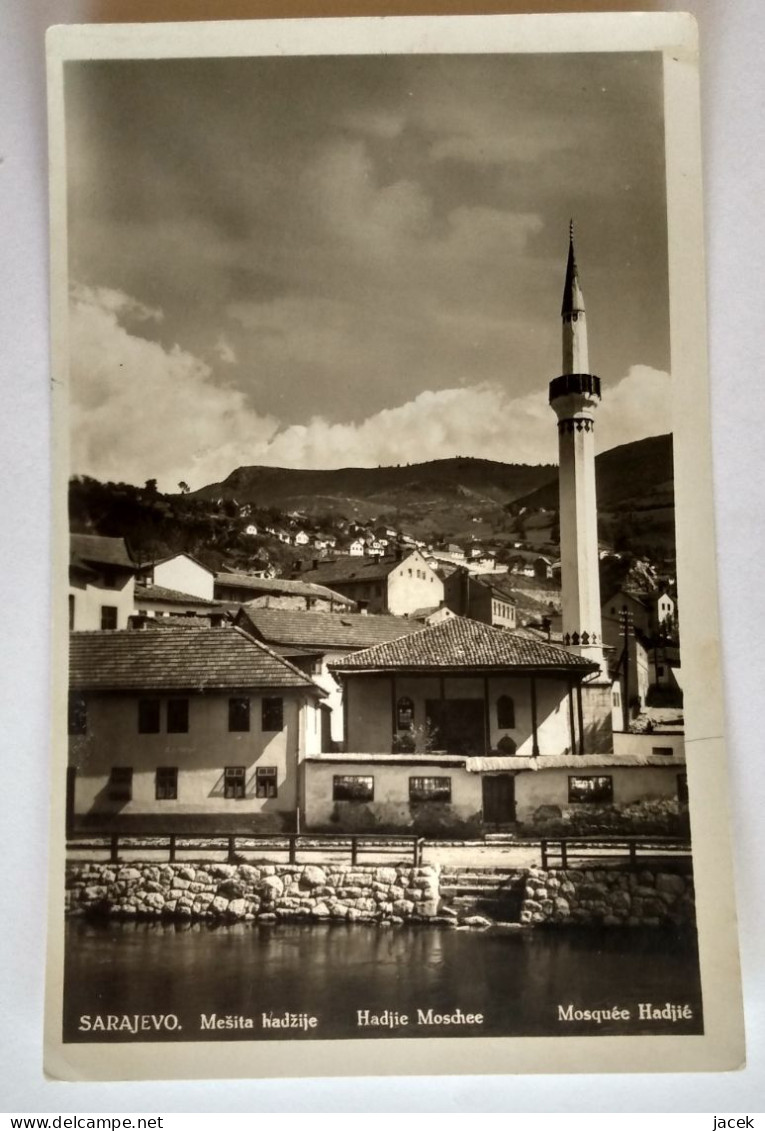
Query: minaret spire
575, 352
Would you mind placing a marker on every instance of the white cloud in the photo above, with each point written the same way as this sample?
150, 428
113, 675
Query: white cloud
142, 411
639, 405
225, 352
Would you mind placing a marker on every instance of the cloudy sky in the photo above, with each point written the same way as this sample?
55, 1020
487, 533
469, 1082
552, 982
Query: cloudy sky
319, 262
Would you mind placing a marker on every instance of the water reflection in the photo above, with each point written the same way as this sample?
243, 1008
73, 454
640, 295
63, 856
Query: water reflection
516, 980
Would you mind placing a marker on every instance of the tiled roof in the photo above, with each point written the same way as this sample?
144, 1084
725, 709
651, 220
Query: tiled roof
179, 658
462, 644
279, 586
332, 630
87, 548
346, 569
171, 596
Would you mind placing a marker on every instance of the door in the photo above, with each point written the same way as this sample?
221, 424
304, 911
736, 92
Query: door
498, 799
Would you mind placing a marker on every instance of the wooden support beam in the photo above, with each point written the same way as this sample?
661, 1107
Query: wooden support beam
393, 712
580, 712
486, 716
534, 721
571, 723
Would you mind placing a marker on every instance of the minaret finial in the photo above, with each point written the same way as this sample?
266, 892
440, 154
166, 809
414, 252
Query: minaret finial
573, 300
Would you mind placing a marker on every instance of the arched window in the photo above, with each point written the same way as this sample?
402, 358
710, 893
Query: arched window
404, 714
506, 746
505, 713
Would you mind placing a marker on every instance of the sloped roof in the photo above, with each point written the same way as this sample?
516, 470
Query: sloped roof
461, 644
334, 630
85, 548
346, 569
280, 586
173, 596
178, 658
498, 583
172, 557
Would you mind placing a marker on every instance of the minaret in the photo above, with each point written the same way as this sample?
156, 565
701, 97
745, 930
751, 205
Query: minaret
575, 396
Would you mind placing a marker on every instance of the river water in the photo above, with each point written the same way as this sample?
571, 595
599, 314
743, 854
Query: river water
193, 980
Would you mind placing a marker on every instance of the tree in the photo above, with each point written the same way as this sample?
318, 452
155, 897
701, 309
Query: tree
183, 488
151, 486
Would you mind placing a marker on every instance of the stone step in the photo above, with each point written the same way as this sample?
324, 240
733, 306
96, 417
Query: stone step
489, 873
450, 891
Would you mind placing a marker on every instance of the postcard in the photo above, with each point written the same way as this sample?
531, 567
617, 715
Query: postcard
388, 720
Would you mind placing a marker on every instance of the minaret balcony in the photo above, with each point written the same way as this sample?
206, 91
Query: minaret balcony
586, 384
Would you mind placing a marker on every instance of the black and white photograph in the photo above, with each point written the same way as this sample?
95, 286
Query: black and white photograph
380, 443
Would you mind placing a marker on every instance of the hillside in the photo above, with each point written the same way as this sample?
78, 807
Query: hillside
460, 500
430, 499
631, 475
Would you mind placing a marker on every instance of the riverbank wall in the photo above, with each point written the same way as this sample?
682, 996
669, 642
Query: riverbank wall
530, 897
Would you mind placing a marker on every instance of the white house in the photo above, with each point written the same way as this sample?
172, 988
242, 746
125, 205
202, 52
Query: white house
397, 585
189, 728
101, 582
180, 572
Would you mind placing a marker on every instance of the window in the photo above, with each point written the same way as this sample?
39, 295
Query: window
505, 713
239, 714
617, 699
121, 783
351, 787
233, 783
166, 783
404, 714
662, 751
108, 616
265, 781
71, 611
272, 714
177, 716
682, 789
591, 789
78, 713
430, 789
148, 716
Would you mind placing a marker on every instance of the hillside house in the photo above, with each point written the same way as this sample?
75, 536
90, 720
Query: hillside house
485, 598
180, 572
312, 640
157, 601
397, 585
186, 727
462, 727
101, 582
278, 592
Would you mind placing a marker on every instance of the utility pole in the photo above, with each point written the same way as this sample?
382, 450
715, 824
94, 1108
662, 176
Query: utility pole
625, 620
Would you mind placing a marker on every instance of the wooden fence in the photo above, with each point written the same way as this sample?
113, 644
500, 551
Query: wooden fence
236, 845
561, 851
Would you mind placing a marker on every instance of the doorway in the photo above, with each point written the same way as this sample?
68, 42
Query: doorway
456, 725
498, 799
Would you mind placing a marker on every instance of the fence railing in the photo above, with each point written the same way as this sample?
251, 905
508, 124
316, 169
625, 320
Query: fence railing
560, 851
235, 845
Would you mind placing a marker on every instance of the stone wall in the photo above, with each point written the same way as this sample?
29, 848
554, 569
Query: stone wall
229, 893
243, 892
607, 897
